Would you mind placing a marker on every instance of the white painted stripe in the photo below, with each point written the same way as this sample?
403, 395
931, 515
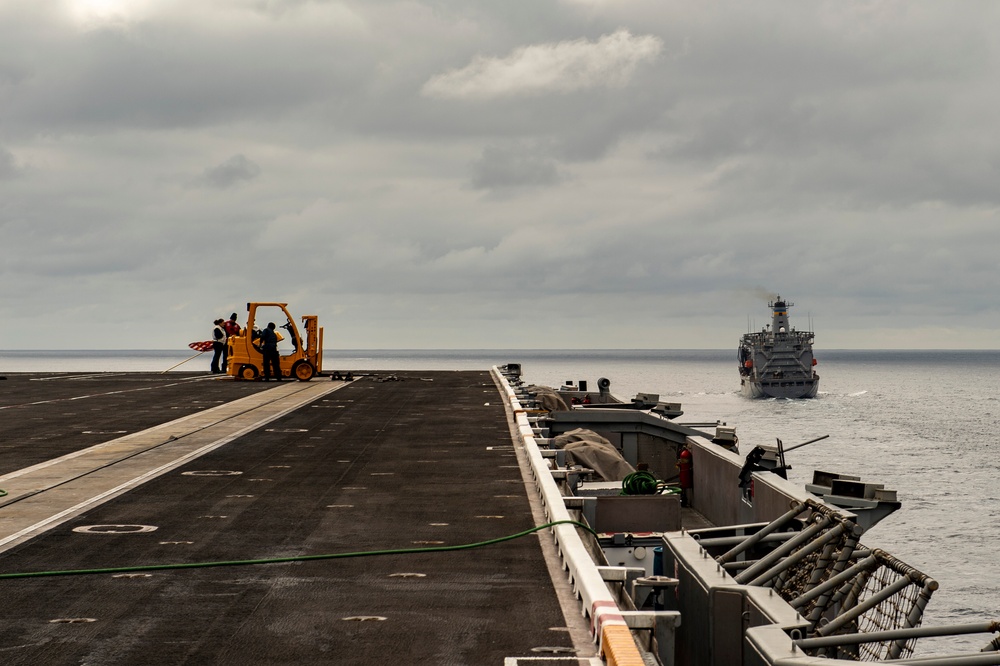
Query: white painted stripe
71, 511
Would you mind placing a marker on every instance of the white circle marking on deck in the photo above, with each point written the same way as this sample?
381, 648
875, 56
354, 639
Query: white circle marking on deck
114, 529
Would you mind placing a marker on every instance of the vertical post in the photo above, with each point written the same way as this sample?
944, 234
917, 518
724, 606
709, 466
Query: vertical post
630, 447
913, 617
844, 618
828, 592
844, 557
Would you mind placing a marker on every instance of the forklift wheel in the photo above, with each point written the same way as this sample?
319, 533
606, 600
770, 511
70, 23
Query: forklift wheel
248, 372
303, 371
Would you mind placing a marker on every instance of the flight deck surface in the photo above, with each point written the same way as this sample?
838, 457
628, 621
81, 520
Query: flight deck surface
406, 460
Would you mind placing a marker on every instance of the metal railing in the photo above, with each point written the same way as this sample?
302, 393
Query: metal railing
842, 589
608, 623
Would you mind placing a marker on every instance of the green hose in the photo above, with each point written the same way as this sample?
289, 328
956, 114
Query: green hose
644, 483
297, 558
639, 483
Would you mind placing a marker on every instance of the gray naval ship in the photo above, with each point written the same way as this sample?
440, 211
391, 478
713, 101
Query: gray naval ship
777, 361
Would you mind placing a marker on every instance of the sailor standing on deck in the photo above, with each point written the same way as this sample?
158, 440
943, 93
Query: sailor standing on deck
218, 346
231, 328
269, 347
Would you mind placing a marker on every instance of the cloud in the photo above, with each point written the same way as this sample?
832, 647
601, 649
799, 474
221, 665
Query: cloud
8, 165
234, 171
236, 64
111, 14
556, 67
513, 168
419, 193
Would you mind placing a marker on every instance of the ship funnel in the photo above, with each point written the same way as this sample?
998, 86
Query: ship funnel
779, 315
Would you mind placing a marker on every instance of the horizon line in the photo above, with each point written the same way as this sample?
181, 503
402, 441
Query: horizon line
505, 349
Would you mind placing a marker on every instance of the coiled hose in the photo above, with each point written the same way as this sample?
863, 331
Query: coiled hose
644, 483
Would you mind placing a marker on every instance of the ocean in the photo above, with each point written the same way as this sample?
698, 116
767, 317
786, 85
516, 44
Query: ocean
924, 423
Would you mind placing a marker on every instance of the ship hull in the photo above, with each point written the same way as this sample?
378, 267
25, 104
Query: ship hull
779, 389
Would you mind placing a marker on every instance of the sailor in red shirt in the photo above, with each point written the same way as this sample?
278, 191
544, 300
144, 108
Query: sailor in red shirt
231, 328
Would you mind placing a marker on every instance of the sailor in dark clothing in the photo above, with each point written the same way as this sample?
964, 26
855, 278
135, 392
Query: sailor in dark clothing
269, 347
219, 347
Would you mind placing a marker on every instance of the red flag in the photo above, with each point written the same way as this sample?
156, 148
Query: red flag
201, 346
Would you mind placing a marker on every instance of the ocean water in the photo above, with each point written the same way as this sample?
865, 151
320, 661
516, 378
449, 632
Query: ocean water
924, 423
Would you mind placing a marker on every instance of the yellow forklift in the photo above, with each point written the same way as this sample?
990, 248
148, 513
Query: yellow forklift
301, 359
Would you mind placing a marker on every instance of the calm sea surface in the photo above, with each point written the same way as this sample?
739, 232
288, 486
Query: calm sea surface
922, 422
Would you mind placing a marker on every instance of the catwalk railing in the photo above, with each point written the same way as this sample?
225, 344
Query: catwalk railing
836, 584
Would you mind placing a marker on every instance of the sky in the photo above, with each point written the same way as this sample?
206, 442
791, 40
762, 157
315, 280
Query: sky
524, 174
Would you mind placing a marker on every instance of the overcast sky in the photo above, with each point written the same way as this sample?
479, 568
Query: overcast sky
500, 174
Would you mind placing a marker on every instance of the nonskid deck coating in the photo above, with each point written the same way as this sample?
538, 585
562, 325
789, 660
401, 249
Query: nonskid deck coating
376, 465
46, 415
38, 497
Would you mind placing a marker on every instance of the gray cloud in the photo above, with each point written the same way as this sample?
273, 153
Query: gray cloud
434, 165
106, 76
234, 171
9, 167
513, 168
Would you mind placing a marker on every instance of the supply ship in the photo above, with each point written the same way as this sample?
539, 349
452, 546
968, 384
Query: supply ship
778, 361
428, 517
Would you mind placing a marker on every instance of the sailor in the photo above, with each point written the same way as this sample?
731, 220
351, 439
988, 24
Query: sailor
269, 347
219, 347
231, 328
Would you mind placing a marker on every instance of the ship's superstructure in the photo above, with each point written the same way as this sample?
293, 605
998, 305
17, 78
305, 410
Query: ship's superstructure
778, 361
